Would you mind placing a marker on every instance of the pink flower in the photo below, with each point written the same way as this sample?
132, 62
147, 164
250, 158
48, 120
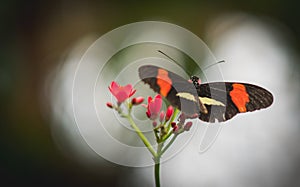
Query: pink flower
154, 106
121, 93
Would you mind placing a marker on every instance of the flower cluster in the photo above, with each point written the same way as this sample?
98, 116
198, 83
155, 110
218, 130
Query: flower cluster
181, 125
163, 122
160, 118
154, 112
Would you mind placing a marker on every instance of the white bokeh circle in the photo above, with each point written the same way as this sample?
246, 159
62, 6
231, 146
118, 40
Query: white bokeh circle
117, 56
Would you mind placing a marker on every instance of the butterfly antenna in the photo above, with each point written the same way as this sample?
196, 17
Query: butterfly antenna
167, 56
221, 61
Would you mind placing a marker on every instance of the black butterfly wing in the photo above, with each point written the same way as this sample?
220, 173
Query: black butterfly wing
231, 94
153, 76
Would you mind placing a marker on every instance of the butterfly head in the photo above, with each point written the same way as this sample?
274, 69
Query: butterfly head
195, 80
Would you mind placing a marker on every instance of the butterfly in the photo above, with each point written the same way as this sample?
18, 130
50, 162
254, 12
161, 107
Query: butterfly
211, 102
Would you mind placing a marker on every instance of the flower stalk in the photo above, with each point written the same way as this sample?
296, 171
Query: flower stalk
141, 135
164, 123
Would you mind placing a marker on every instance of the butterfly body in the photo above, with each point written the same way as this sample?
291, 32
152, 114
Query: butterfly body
215, 101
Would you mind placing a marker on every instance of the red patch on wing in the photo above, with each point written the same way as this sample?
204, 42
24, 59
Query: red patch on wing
164, 82
239, 96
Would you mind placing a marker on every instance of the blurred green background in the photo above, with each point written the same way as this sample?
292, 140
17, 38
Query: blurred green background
37, 35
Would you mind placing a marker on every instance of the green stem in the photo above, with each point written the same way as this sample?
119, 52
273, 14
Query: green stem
156, 172
168, 145
167, 136
157, 164
160, 149
142, 136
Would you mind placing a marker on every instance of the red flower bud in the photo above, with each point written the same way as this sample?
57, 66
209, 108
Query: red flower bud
109, 105
154, 123
188, 125
161, 116
175, 129
173, 124
169, 112
137, 100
